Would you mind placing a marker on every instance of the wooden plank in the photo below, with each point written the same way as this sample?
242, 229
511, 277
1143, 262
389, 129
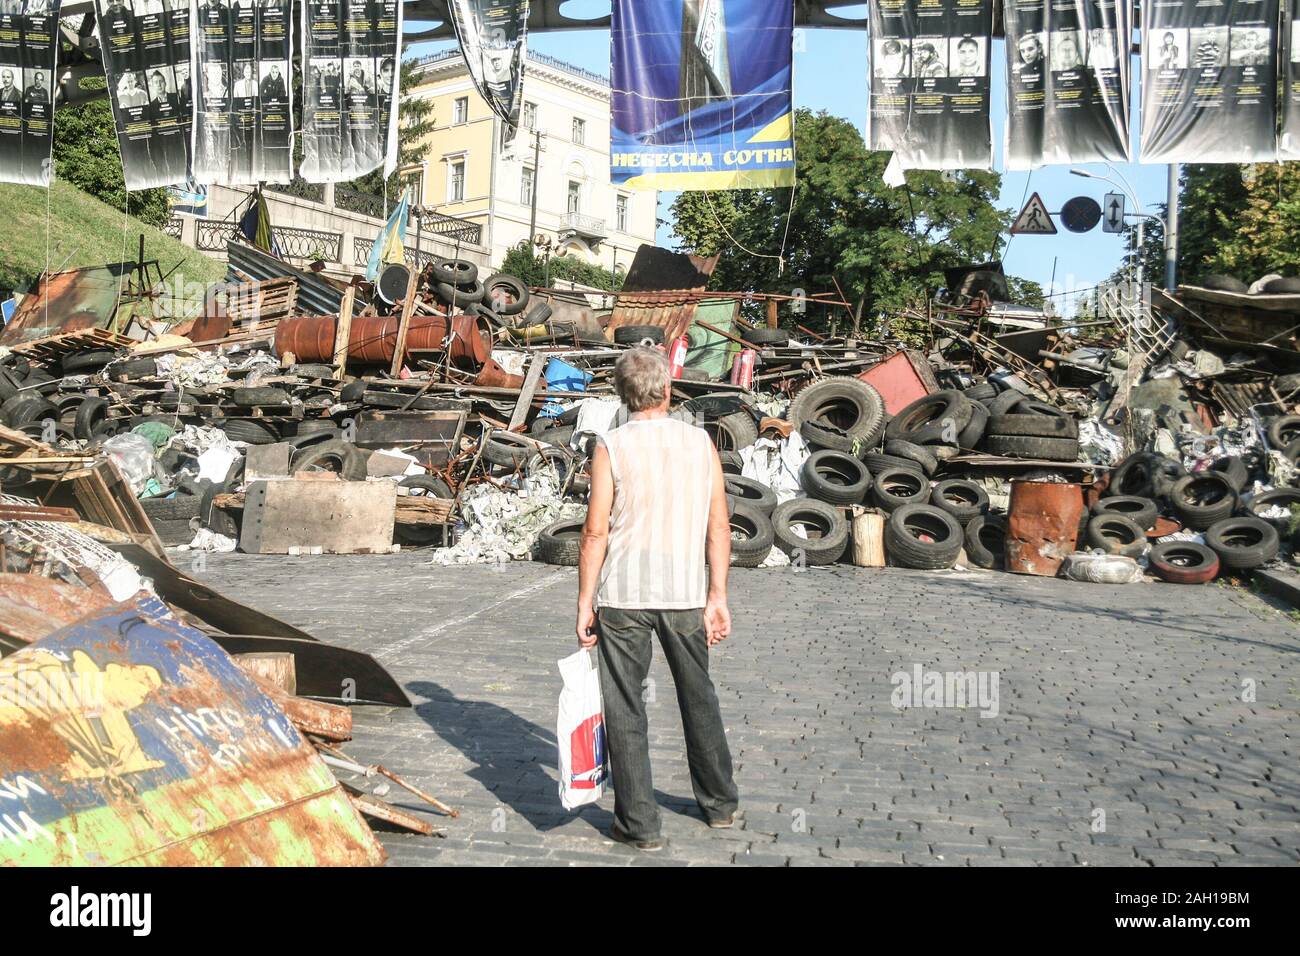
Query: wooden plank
773, 320
339, 517
274, 667
343, 332
404, 324
530, 387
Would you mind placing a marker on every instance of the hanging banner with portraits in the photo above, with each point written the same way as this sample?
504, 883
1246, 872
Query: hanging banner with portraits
146, 53
930, 82
1289, 145
493, 38
29, 32
1068, 75
244, 106
1209, 83
350, 55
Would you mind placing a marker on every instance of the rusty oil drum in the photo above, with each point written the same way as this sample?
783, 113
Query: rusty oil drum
374, 338
1042, 526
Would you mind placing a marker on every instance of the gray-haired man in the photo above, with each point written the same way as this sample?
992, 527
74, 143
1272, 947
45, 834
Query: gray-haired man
657, 507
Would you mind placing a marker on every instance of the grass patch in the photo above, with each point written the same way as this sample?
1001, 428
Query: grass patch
83, 231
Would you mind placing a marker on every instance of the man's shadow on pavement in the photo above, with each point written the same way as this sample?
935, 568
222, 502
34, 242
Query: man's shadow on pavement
511, 757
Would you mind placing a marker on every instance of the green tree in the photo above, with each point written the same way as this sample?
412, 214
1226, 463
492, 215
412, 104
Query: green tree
1242, 221
86, 155
415, 120
887, 247
522, 263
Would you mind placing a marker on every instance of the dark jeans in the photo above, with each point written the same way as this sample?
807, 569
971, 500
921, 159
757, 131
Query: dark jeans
625, 651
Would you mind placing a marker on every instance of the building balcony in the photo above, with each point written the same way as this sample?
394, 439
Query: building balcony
583, 227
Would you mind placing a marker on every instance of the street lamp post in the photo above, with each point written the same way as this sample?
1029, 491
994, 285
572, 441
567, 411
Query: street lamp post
1127, 188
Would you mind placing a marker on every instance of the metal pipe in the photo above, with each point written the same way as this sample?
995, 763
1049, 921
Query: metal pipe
1171, 231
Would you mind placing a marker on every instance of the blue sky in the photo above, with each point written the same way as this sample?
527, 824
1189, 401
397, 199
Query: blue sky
831, 74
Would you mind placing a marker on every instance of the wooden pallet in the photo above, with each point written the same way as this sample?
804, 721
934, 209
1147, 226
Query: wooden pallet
255, 305
51, 350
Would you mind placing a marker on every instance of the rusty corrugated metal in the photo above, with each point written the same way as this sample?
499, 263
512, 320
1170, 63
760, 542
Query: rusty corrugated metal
658, 280
1042, 526
129, 738
67, 302
32, 606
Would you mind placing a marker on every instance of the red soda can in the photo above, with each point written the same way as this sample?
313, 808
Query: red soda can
677, 355
742, 369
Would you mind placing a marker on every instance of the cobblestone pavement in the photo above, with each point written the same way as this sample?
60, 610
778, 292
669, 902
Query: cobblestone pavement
1121, 734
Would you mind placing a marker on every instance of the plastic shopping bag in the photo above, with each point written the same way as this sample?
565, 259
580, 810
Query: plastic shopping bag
580, 731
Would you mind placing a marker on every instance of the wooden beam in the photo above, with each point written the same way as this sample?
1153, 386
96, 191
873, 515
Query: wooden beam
343, 332
773, 320
530, 388
404, 324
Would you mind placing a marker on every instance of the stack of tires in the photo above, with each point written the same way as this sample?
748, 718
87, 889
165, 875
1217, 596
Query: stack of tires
839, 414
750, 505
1027, 429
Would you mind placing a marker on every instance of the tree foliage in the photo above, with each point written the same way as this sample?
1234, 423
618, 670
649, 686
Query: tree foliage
1242, 221
522, 263
86, 155
886, 246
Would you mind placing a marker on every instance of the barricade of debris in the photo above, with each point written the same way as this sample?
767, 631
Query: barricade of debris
439, 408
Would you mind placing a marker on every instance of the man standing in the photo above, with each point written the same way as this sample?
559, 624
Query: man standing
642, 572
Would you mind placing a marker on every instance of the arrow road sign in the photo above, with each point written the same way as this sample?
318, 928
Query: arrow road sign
1113, 210
1034, 219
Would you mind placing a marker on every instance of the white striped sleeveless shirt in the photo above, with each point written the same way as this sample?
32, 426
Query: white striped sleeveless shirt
663, 481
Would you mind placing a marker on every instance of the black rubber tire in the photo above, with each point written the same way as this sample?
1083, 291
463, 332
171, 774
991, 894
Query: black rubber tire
1203, 499
1222, 283
820, 437
551, 456
1005, 403
1234, 470
507, 449
832, 529
1116, 534
923, 537
986, 540
1287, 385
733, 432
835, 478
1243, 544
26, 408
763, 337
639, 335
973, 433
249, 431
312, 372
1285, 497
751, 492
514, 287
732, 463
87, 362
176, 508
1146, 475
49, 384
1019, 446
352, 392
876, 463
342, 457
9, 383
896, 487
561, 543
1283, 430
752, 538
424, 486
917, 456
539, 314
848, 404
1283, 286
218, 519
1141, 511
1032, 426
454, 271
91, 413
133, 368
1177, 561
933, 419
316, 426
983, 393
964, 500
559, 435
258, 396
460, 297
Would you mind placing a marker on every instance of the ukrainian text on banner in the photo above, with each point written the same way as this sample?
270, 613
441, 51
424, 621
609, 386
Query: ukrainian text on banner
702, 95
243, 115
29, 31
145, 46
930, 82
350, 53
494, 42
1068, 74
1209, 84
1290, 144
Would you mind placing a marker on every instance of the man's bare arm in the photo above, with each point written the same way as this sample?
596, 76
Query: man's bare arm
595, 543
717, 617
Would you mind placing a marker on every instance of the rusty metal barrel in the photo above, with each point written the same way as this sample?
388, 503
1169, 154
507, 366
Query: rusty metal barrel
1042, 526
374, 337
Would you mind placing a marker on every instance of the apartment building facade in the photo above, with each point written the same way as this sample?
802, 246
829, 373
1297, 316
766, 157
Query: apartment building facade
556, 168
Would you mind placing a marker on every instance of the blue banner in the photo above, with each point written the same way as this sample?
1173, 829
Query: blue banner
702, 94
